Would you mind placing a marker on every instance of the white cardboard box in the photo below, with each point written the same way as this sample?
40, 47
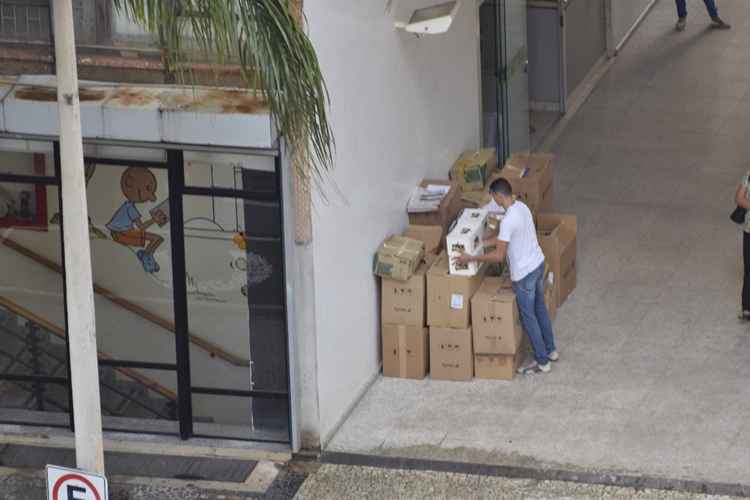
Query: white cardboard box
467, 237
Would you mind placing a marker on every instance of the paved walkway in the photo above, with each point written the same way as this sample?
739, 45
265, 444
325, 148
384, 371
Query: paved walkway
655, 371
340, 482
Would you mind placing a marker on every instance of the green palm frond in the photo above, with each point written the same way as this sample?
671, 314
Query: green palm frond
275, 55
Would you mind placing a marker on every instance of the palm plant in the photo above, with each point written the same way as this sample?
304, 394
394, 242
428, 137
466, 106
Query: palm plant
275, 55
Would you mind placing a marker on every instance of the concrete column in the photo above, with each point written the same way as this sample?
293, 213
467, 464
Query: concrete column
79, 284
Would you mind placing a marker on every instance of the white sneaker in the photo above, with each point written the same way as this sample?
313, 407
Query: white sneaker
554, 356
534, 367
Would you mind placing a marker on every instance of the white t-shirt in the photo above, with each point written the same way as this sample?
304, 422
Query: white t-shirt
524, 252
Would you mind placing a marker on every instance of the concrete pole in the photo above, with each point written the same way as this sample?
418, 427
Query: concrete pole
79, 285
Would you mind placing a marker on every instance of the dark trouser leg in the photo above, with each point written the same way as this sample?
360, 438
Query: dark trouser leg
681, 8
746, 281
711, 8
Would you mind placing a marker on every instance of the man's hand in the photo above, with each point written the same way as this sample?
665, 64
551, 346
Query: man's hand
462, 259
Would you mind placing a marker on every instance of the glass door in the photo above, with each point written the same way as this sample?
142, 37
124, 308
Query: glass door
504, 77
516, 77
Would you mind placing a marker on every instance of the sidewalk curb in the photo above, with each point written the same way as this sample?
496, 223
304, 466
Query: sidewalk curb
517, 472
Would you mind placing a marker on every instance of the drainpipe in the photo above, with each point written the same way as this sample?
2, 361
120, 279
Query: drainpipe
79, 287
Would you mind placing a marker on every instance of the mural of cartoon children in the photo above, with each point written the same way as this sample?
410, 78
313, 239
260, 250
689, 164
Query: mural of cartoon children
139, 185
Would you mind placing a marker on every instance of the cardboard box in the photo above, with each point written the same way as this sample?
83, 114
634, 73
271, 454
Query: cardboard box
449, 297
405, 351
473, 168
557, 237
550, 300
496, 321
445, 214
500, 366
451, 354
404, 302
398, 258
475, 199
535, 189
431, 236
467, 236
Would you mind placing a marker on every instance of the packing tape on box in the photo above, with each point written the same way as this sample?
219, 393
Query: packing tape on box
402, 357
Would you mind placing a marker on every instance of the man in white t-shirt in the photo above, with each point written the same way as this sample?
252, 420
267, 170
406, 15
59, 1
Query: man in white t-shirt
518, 242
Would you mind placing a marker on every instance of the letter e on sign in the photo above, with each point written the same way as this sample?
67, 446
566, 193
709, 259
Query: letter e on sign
70, 484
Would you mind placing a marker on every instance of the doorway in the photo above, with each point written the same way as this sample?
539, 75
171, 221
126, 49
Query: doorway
504, 76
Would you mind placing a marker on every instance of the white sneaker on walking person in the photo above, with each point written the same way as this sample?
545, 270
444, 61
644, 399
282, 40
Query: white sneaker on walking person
534, 367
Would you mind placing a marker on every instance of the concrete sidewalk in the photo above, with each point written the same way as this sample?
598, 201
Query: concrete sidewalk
341, 482
655, 365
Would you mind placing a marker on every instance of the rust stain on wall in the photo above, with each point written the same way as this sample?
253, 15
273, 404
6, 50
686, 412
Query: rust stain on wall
43, 94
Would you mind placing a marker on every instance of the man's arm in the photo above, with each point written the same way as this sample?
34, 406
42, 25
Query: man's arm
741, 197
144, 225
501, 249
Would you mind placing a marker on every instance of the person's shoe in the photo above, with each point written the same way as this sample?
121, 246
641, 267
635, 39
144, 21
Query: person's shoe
681, 24
554, 356
744, 316
719, 24
533, 368
149, 262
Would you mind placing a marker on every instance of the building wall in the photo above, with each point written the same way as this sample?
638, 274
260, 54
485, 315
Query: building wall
624, 15
402, 108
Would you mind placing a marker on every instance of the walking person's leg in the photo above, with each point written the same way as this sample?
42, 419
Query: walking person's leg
745, 313
681, 14
713, 12
525, 291
542, 317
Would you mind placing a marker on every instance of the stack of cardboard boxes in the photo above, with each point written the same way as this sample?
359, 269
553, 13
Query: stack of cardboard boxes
460, 323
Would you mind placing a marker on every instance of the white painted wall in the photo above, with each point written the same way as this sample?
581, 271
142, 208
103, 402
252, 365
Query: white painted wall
402, 108
624, 15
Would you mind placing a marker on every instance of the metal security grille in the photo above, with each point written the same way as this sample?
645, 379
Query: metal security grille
25, 20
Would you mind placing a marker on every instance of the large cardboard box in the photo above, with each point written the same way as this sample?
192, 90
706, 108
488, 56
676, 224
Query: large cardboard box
445, 214
500, 366
403, 302
451, 354
550, 300
496, 366
398, 258
431, 236
449, 297
495, 319
473, 168
405, 351
535, 188
557, 237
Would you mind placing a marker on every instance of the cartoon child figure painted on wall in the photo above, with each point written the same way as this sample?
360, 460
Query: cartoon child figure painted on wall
139, 185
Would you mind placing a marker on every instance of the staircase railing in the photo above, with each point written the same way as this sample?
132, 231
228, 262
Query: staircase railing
34, 350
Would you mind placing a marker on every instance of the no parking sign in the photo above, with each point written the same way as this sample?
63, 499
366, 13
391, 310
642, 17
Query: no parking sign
71, 484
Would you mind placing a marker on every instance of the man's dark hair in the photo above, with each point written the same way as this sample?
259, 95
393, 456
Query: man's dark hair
501, 186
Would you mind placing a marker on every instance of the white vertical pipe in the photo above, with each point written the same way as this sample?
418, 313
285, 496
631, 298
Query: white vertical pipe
79, 284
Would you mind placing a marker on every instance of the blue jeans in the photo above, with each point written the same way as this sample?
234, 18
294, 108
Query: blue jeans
710, 6
534, 317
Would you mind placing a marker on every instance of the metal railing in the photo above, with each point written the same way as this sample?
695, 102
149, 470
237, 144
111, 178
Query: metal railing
33, 358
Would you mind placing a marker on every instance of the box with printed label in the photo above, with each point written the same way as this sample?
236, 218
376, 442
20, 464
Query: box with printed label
405, 351
500, 366
496, 366
472, 169
398, 258
557, 237
531, 176
448, 296
467, 236
444, 213
451, 354
403, 302
495, 319
431, 236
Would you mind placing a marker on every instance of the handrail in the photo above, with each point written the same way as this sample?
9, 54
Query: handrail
206, 345
59, 332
